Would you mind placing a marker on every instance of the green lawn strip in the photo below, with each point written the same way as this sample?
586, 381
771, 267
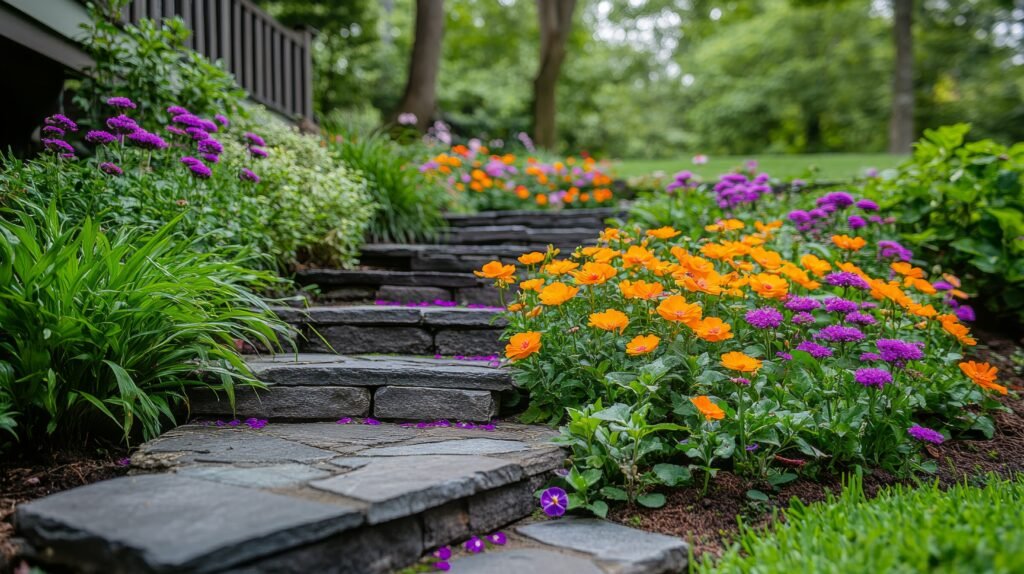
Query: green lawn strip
828, 166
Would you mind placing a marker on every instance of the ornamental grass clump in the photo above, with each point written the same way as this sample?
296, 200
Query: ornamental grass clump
761, 348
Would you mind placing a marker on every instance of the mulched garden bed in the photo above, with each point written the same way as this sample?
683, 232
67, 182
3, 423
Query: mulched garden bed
709, 522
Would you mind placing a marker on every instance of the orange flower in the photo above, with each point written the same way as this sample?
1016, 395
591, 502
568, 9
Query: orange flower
952, 280
532, 285
849, 243
907, 270
724, 225
636, 255
642, 344
594, 273
603, 254
737, 361
515, 307
560, 267
640, 289
962, 334
710, 410
664, 232
531, 258
923, 310
522, 345
922, 286
610, 320
710, 283
766, 258
534, 312
713, 330
983, 374
815, 265
610, 234
764, 227
675, 308
769, 286
799, 276
497, 271
557, 293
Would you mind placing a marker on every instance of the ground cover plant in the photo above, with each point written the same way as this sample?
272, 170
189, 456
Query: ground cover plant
773, 347
966, 528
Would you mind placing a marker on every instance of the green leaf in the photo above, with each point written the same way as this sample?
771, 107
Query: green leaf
671, 474
757, 495
599, 508
651, 500
614, 493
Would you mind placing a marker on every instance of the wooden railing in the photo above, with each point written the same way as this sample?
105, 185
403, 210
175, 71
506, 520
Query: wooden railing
272, 62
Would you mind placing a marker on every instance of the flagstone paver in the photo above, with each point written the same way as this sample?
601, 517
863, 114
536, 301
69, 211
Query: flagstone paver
624, 550
525, 560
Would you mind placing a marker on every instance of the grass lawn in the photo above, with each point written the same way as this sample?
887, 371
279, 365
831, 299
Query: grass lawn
826, 166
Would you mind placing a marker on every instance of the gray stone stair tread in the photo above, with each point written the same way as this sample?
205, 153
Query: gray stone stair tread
385, 277
524, 561
314, 369
409, 249
632, 551
392, 315
500, 233
170, 523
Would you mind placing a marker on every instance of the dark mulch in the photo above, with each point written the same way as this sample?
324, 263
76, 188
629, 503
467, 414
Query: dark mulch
29, 475
709, 522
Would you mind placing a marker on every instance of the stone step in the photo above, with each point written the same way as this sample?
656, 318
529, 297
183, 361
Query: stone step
446, 258
499, 234
327, 387
293, 498
580, 546
346, 285
591, 218
356, 329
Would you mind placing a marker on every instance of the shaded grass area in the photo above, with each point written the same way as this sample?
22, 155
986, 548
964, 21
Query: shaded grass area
826, 166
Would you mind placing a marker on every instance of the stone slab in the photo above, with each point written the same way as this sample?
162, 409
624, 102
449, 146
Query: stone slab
463, 317
352, 315
170, 523
352, 340
467, 446
270, 476
434, 403
403, 294
375, 277
401, 486
524, 560
288, 402
632, 551
468, 342
230, 445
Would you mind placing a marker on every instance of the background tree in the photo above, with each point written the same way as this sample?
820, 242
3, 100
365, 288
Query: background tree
901, 123
420, 96
555, 18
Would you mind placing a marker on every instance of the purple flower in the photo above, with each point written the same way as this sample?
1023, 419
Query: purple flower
208, 126
443, 554
840, 305
764, 318
211, 158
867, 205
176, 130
211, 145
247, 175
856, 222
111, 169
465, 425
258, 152
799, 216
847, 279
752, 447
61, 121
784, 356
407, 119
802, 304
221, 119
178, 111
740, 380
925, 434
838, 199
860, 318
802, 317
965, 313
839, 334
868, 357
475, 545
899, 352
58, 146
344, 421
371, 422
122, 124
147, 140
497, 538
100, 137
121, 102
190, 120
254, 139
554, 501
891, 249
872, 377
255, 423
197, 134
126, 461
817, 351
53, 131
197, 167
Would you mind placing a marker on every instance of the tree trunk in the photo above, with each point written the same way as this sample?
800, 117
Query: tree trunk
421, 90
555, 25
901, 123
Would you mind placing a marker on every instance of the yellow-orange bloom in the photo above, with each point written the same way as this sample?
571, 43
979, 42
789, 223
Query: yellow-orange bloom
849, 243
815, 265
962, 333
983, 374
594, 273
610, 320
522, 345
610, 234
531, 258
640, 289
636, 255
764, 227
497, 271
769, 286
675, 308
557, 293
664, 232
923, 310
765, 258
515, 307
710, 410
560, 267
724, 225
737, 361
713, 330
604, 254
907, 270
922, 286
531, 285
642, 344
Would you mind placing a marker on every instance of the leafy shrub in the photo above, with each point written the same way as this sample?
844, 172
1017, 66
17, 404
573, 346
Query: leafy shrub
117, 324
963, 202
151, 62
410, 209
903, 530
778, 346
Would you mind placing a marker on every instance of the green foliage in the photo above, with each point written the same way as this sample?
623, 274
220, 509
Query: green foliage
410, 208
151, 63
903, 530
119, 325
963, 202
